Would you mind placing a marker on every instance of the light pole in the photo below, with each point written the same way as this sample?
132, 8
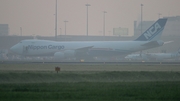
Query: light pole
65, 26
56, 21
87, 17
159, 15
60, 31
21, 31
104, 12
141, 16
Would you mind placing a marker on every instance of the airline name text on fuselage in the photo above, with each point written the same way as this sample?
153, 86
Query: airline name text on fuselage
152, 30
33, 47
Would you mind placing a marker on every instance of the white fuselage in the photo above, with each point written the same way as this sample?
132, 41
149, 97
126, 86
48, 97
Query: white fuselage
44, 47
153, 56
162, 56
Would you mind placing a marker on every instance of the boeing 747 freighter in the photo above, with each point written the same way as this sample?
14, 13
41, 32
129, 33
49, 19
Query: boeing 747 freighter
61, 50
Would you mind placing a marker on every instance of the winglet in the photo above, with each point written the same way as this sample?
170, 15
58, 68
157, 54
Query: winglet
154, 32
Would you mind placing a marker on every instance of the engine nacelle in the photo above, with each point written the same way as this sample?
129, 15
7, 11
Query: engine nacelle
64, 55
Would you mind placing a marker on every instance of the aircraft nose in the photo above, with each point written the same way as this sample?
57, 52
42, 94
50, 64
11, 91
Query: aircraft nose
15, 49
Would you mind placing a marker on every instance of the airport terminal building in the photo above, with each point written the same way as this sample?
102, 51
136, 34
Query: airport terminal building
4, 29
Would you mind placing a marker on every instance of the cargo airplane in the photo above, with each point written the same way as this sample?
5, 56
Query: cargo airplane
62, 50
164, 56
154, 56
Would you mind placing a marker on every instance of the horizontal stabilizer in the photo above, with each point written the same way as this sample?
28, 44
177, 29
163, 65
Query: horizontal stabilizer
168, 42
153, 43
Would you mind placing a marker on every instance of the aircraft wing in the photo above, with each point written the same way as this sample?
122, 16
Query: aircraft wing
84, 49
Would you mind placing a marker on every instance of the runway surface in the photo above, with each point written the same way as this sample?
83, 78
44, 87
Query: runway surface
88, 67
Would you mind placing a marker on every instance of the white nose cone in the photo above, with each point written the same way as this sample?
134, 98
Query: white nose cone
15, 49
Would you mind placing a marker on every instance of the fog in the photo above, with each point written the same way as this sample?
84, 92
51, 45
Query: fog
29, 19
37, 17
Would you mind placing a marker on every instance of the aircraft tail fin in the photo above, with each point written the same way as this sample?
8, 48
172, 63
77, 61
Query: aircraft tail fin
176, 53
154, 32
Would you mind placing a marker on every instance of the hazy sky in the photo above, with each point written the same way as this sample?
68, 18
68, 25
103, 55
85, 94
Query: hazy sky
36, 17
